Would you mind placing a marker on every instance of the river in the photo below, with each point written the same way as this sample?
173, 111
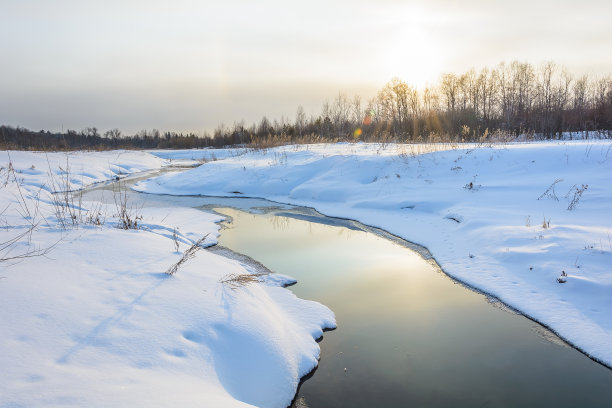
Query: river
408, 335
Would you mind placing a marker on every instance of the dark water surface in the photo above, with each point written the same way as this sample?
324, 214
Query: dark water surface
407, 336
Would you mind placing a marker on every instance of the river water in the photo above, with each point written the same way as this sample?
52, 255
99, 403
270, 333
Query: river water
408, 335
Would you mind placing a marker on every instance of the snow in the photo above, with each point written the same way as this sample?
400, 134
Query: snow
196, 156
483, 212
97, 322
84, 167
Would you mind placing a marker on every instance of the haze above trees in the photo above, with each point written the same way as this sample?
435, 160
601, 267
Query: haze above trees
510, 99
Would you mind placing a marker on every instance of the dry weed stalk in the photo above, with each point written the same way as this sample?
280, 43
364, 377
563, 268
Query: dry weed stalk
175, 239
577, 195
31, 215
239, 280
68, 202
125, 213
187, 255
7, 247
550, 191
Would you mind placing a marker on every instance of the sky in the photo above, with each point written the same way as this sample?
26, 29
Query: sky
189, 65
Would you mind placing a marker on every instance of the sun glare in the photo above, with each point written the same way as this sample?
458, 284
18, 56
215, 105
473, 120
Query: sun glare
413, 55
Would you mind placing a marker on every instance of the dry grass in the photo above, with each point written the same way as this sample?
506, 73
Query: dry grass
577, 191
270, 141
550, 191
238, 280
68, 202
187, 255
127, 215
20, 246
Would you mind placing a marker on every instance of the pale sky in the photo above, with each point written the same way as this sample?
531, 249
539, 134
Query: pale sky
189, 65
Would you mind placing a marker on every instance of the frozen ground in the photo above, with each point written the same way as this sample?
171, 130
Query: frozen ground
528, 223
94, 320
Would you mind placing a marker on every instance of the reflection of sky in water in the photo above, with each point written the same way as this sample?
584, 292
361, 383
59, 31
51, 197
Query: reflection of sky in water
407, 334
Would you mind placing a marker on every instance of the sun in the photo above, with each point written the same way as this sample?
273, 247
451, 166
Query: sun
414, 56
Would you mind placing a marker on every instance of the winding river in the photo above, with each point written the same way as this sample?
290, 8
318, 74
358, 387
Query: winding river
408, 335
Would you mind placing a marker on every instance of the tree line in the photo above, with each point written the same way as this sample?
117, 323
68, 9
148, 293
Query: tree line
90, 139
511, 99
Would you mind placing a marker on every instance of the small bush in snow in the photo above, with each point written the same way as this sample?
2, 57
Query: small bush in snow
126, 214
562, 279
577, 195
471, 186
68, 203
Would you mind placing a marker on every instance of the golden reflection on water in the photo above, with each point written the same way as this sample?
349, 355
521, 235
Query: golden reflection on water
407, 333
362, 263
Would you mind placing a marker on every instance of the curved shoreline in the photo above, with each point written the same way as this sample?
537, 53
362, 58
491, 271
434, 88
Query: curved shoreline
420, 249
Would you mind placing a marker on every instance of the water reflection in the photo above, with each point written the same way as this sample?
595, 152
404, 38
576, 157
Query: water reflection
408, 336
282, 222
317, 219
279, 223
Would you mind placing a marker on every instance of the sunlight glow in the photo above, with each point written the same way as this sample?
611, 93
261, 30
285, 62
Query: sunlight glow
413, 56
195, 64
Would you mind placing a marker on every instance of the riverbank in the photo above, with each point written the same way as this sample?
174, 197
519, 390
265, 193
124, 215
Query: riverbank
528, 223
405, 329
90, 318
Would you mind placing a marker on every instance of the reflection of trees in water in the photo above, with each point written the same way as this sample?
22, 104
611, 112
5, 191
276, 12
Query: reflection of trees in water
346, 232
279, 223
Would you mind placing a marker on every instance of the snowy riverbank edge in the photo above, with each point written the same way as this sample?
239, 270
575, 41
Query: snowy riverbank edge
526, 222
91, 319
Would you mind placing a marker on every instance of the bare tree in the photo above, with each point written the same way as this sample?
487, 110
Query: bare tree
300, 120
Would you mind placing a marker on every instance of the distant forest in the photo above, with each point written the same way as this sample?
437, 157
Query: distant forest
510, 99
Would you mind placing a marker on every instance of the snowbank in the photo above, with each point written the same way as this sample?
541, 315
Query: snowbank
97, 322
84, 168
196, 156
528, 223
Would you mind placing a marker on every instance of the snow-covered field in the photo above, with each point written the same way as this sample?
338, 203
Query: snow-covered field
198, 154
528, 223
94, 320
